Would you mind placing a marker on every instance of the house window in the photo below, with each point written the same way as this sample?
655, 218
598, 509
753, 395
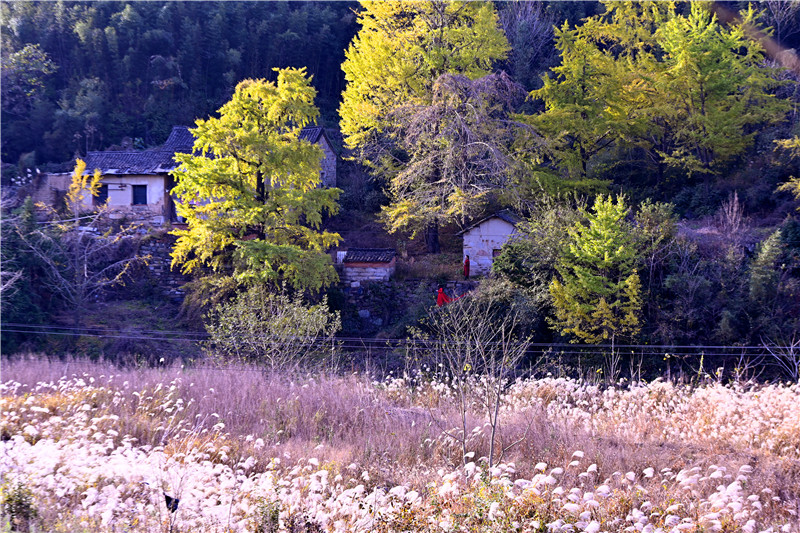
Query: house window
102, 195
140, 195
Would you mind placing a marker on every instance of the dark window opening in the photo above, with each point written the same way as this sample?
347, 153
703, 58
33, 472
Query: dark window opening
140, 195
102, 195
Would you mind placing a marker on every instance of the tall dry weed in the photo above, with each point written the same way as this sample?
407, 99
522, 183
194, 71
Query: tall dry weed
205, 434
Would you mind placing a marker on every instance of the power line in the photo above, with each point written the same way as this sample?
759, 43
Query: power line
381, 340
381, 344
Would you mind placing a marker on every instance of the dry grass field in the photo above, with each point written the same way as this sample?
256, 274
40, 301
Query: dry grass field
90, 447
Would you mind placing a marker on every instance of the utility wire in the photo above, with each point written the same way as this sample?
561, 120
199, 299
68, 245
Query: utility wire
380, 340
371, 343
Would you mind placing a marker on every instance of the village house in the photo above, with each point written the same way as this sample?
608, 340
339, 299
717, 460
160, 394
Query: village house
484, 239
136, 184
316, 135
367, 264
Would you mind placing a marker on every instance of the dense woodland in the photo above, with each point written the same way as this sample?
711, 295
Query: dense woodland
650, 147
110, 70
94, 73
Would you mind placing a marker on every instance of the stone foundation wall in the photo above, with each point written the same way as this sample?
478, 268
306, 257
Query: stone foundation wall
368, 306
376, 304
170, 280
372, 273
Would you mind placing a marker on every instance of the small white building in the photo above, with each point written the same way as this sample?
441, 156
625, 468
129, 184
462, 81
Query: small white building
484, 239
368, 264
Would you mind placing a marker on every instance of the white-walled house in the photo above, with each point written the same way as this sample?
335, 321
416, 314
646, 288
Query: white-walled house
137, 184
484, 239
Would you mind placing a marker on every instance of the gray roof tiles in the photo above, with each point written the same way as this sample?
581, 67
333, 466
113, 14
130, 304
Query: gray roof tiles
160, 160
311, 133
147, 162
506, 214
370, 255
179, 140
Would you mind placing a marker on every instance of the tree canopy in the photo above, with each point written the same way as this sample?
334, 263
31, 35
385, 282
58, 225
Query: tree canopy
458, 149
393, 69
402, 48
682, 87
250, 193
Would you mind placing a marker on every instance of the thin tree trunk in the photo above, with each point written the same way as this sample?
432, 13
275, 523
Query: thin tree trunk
493, 417
432, 237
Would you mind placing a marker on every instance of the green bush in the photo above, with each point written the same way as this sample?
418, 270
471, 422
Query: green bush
274, 330
17, 506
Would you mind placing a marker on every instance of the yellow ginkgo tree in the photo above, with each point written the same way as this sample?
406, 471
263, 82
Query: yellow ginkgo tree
250, 193
597, 292
82, 187
394, 67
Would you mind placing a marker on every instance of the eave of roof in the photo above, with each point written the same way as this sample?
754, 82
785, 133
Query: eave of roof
370, 255
506, 215
147, 162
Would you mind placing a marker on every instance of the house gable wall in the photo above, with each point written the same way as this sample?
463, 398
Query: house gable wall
481, 241
328, 163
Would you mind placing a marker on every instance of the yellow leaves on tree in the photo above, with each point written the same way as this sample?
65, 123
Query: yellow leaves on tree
250, 193
597, 294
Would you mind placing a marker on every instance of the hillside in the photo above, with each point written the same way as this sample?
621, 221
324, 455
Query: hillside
649, 153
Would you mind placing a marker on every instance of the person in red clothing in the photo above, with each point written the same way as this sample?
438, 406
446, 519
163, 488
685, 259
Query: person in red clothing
442, 298
466, 267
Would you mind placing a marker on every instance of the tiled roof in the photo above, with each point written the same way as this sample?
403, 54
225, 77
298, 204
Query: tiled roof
147, 162
370, 255
311, 133
160, 160
507, 215
179, 140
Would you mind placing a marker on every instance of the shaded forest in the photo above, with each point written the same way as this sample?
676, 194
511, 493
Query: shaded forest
83, 76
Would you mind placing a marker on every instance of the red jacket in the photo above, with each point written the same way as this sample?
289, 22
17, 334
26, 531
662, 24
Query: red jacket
442, 298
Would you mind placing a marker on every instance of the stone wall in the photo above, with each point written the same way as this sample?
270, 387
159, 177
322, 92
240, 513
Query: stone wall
367, 307
375, 305
170, 281
51, 189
